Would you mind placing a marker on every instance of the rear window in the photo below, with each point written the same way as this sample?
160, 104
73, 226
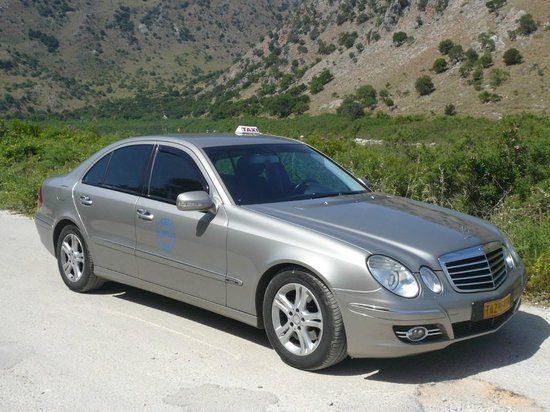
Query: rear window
95, 175
127, 168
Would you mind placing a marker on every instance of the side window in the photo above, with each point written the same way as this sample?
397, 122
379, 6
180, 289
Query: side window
174, 172
95, 175
127, 168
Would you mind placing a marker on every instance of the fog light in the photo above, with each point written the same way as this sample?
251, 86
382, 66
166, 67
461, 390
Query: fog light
417, 333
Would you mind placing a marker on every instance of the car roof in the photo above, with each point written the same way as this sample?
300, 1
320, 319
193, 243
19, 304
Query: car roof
203, 140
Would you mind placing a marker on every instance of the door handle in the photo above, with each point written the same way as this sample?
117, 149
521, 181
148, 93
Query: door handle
145, 214
86, 200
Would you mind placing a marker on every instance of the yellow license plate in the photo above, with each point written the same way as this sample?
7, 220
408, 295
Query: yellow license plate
497, 307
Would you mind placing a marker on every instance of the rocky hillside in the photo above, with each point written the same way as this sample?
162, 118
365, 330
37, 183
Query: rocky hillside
63, 54
329, 49
275, 57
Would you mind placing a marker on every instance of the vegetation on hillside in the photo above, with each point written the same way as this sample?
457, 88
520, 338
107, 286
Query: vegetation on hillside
497, 170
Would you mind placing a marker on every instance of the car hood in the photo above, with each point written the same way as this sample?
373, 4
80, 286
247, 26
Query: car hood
380, 223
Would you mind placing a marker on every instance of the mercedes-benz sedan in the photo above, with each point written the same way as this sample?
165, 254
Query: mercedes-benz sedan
269, 231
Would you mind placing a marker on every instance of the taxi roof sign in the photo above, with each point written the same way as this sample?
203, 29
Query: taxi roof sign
247, 130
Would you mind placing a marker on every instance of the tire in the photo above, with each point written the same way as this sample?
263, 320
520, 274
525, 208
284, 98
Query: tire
303, 345
72, 253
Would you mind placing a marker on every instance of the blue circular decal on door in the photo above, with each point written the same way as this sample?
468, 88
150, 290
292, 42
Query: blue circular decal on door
166, 234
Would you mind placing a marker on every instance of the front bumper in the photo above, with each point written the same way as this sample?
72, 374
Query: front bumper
371, 320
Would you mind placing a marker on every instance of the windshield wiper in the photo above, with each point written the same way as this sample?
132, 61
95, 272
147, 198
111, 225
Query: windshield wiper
320, 195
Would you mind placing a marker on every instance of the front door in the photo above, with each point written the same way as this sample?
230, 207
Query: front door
106, 200
184, 251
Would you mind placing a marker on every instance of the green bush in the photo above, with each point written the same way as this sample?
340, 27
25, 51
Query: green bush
399, 38
527, 25
471, 55
497, 77
494, 5
512, 56
325, 48
486, 60
450, 109
456, 54
367, 96
422, 5
445, 46
347, 39
318, 82
486, 97
424, 85
440, 65
350, 108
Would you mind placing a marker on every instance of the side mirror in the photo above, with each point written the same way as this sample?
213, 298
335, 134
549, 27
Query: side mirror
365, 181
199, 201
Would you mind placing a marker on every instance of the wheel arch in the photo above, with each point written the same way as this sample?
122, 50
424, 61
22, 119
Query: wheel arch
270, 274
59, 226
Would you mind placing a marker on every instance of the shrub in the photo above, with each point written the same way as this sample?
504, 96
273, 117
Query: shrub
422, 5
318, 82
486, 97
486, 60
367, 96
445, 46
497, 77
325, 48
440, 65
527, 25
486, 41
362, 18
424, 85
494, 5
471, 55
441, 5
456, 54
512, 56
388, 101
49, 41
350, 108
347, 39
399, 38
477, 78
450, 109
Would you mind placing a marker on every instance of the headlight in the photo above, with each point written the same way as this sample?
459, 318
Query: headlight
430, 279
393, 276
510, 255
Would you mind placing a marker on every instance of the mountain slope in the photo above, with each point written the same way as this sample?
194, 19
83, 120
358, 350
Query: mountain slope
354, 41
62, 54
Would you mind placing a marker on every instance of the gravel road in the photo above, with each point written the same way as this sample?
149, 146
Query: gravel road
125, 349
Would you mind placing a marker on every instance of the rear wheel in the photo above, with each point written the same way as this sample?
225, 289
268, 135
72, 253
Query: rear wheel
303, 321
75, 262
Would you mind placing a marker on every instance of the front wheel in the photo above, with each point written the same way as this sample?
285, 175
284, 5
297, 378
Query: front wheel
303, 321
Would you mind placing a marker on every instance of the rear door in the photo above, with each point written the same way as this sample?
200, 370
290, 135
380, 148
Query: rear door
184, 251
106, 201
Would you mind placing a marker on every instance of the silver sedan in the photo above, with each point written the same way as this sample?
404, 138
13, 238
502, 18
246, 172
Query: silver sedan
268, 231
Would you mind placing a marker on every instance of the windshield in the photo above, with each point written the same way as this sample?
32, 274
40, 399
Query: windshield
267, 173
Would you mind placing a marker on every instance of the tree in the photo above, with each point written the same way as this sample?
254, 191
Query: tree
486, 97
512, 56
347, 39
494, 5
424, 85
456, 54
367, 96
450, 109
399, 38
527, 25
486, 60
440, 65
350, 108
445, 46
471, 55
318, 82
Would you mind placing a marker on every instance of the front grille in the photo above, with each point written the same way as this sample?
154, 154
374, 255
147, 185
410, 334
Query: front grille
476, 269
468, 328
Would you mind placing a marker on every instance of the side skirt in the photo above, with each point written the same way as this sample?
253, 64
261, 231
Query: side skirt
174, 294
